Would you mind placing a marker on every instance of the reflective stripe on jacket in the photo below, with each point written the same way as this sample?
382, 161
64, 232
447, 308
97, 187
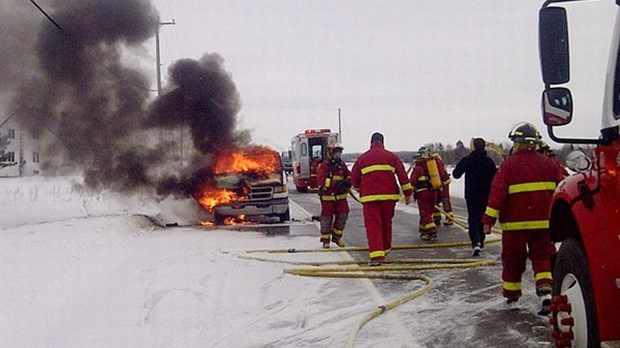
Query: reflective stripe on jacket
420, 180
375, 175
329, 175
521, 192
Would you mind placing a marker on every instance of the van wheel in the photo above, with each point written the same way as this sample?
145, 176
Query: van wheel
286, 216
573, 310
218, 219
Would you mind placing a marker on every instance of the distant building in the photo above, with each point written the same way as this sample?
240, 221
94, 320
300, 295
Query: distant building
22, 155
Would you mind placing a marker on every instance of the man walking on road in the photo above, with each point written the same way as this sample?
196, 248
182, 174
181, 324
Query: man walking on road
520, 198
373, 177
479, 170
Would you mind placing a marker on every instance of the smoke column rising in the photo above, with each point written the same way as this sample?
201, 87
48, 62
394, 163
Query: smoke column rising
97, 107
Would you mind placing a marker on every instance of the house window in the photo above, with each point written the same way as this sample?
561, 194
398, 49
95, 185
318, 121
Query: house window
9, 157
35, 157
36, 134
11, 133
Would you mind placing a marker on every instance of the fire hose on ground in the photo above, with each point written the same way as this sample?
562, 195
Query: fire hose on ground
359, 268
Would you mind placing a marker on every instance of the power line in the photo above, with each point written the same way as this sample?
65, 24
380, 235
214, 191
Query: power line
175, 31
272, 106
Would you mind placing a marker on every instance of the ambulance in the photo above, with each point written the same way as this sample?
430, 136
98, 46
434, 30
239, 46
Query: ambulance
308, 150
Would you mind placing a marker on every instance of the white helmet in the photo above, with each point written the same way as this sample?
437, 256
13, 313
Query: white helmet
578, 161
335, 145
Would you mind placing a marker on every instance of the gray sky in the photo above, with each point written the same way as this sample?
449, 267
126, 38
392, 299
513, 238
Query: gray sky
419, 71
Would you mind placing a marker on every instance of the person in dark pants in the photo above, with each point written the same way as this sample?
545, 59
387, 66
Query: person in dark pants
479, 170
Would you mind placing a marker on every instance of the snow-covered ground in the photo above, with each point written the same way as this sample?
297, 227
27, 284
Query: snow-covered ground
91, 270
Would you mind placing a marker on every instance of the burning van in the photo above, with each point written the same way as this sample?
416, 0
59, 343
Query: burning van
248, 184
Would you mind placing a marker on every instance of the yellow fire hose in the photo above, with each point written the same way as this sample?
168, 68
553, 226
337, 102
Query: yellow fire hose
358, 268
428, 245
461, 221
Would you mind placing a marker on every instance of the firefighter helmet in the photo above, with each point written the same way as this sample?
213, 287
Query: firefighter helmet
578, 161
423, 153
333, 146
544, 149
524, 133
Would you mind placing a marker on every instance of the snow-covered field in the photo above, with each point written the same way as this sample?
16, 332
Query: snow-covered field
90, 270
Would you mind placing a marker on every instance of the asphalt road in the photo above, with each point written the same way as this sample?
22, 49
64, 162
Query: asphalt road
465, 307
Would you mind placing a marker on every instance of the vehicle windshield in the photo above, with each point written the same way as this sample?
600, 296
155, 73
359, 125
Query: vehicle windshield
251, 167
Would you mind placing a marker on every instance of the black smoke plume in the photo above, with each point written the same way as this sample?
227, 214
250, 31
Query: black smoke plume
98, 106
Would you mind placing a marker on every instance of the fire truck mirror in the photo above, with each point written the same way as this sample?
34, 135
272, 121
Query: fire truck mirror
557, 105
553, 41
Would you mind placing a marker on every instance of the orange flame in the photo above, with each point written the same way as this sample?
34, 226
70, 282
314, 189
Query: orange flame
258, 161
254, 159
210, 197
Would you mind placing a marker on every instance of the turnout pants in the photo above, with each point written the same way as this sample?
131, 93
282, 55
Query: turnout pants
334, 215
378, 221
426, 206
443, 200
517, 246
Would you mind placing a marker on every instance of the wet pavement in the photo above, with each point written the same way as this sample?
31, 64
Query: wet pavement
464, 308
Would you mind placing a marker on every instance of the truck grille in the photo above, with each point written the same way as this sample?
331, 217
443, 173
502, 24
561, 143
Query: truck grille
261, 193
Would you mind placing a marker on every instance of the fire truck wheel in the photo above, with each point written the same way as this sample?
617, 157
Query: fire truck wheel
573, 310
302, 189
286, 216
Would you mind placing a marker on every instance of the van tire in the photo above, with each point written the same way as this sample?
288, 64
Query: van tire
218, 219
286, 216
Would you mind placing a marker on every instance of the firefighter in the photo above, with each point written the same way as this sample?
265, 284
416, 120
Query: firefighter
425, 194
373, 177
444, 194
520, 199
314, 168
334, 180
546, 150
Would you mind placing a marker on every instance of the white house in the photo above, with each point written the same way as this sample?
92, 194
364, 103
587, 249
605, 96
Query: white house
24, 149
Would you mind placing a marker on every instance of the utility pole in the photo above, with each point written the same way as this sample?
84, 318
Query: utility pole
157, 54
339, 127
159, 24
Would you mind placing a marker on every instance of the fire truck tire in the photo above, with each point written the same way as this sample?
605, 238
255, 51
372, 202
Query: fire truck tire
573, 308
286, 216
302, 189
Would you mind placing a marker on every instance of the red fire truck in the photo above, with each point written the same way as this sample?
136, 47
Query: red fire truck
585, 213
308, 150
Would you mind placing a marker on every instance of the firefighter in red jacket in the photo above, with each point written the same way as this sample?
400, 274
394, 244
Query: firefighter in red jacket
444, 194
520, 198
334, 182
425, 194
373, 176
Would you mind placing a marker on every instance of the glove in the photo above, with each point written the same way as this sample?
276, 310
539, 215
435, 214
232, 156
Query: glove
343, 186
486, 229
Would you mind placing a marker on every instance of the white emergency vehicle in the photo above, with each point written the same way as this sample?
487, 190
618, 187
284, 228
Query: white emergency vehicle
308, 150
